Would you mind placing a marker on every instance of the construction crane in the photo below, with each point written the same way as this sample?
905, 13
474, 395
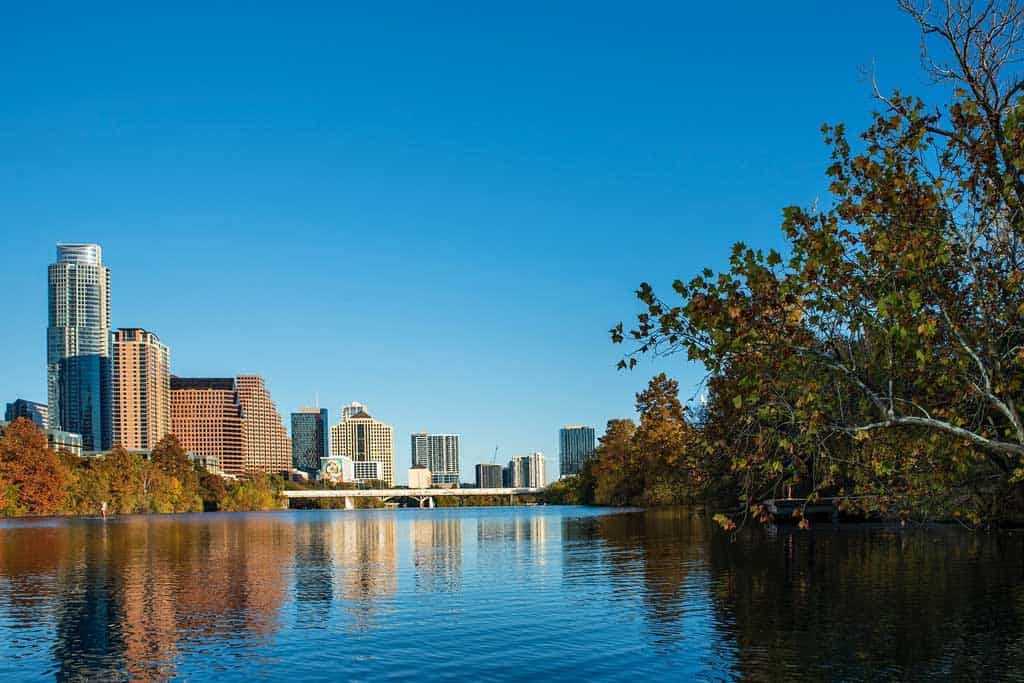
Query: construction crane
494, 458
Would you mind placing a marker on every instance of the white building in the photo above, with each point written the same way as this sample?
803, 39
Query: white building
440, 454
419, 478
527, 471
365, 439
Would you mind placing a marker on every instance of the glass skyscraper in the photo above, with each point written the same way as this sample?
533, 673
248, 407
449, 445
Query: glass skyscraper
310, 439
576, 445
78, 345
30, 410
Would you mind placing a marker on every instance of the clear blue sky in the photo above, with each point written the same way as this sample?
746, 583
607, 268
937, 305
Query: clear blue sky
436, 209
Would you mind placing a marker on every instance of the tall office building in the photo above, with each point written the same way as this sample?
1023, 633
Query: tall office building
527, 471
310, 439
440, 454
30, 410
78, 345
366, 440
576, 445
488, 476
267, 446
206, 416
232, 420
141, 379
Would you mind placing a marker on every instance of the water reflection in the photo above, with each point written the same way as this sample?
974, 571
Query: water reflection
369, 592
437, 554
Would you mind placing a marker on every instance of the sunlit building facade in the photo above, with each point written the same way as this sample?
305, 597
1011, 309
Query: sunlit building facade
206, 416
233, 420
527, 471
267, 446
366, 440
78, 381
440, 454
141, 392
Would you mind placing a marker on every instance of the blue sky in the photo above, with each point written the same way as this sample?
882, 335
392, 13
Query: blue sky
436, 209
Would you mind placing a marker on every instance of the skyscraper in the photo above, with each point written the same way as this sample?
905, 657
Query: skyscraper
310, 439
30, 410
267, 446
527, 471
206, 416
440, 454
365, 439
231, 419
488, 476
141, 392
576, 445
78, 345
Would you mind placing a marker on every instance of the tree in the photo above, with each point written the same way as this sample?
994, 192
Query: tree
890, 342
615, 468
36, 481
262, 492
127, 486
670, 470
213, 491
179, 487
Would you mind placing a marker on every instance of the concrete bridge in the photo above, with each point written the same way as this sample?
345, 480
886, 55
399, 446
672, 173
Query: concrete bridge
424, 496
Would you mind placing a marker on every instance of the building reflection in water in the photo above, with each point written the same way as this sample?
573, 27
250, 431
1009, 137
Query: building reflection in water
365, 563
523, 533
437, 554
130, 593
314, 574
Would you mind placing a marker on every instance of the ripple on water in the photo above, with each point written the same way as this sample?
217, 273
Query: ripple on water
553, 593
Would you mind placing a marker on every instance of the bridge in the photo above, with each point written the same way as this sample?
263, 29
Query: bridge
425, 497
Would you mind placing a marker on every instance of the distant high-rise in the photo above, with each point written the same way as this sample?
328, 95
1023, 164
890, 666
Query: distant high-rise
576, 445
141, 379
78, 345
206, 416
366, 440
440, 454
488, 476
267, 446
310, 439
30, 410
233, 420
527, 471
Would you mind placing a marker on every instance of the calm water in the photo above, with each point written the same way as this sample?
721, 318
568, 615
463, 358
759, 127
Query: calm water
502, 593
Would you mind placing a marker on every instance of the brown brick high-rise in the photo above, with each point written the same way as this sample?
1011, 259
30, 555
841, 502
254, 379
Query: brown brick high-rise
267, 446
233, 420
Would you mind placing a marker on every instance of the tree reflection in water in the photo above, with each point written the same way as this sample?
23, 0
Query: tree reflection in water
583, 591
850, 602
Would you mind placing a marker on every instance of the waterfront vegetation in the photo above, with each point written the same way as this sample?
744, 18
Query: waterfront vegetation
879, 359
34, 480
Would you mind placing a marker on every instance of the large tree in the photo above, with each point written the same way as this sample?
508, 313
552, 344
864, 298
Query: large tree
888, 343
36, 478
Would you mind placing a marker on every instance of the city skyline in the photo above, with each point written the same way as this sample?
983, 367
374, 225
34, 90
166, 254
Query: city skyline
444, 231
142, 400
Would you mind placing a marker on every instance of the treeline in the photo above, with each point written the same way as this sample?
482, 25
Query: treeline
662, 460
34, 480
879, 358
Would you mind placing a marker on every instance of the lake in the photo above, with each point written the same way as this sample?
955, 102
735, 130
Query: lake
502, 593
